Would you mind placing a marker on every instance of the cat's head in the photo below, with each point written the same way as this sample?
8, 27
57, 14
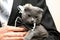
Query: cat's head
31, 13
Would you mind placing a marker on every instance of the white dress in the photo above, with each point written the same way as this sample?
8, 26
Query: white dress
5, 10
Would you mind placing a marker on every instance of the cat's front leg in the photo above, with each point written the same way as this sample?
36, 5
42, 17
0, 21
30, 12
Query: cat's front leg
40, 32
29, 35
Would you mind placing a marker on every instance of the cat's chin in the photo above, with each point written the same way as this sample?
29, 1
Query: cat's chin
30, 24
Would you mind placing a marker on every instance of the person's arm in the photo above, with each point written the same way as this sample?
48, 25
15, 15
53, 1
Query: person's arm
54, 7
12, 33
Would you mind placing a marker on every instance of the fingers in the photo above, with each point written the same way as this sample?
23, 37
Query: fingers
16, 29
14, 34
13, 38
11, 29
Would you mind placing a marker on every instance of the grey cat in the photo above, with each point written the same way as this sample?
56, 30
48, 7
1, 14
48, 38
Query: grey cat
33, 15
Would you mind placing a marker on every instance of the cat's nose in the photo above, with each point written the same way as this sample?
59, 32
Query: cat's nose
31, 21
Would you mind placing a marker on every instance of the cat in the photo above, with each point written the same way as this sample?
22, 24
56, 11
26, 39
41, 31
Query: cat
33, 15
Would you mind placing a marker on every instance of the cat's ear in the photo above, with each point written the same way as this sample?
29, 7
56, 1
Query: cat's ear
40, 10
20, 8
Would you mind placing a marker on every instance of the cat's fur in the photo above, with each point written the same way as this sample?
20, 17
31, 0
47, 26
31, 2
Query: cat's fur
31, 14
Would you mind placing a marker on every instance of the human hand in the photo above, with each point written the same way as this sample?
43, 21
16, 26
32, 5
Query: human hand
12, 33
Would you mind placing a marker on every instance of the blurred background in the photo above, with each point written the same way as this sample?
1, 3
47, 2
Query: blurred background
54, 7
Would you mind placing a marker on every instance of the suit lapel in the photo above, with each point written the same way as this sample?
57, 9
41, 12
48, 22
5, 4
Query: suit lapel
14, 12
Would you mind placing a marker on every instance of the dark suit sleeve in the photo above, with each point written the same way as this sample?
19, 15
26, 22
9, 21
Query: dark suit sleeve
48, 23
47, 19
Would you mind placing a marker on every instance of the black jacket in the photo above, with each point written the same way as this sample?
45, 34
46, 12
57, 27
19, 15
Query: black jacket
47, 20
0, 24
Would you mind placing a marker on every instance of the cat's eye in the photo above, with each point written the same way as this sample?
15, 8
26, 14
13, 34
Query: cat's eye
29, 15
36, 16
26, 9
